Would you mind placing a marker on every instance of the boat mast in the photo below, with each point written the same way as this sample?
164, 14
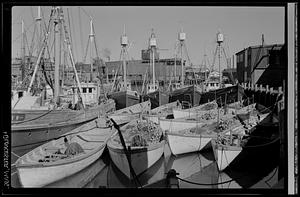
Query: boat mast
67, 39
124, 43
220, 40
23, 52
39, 29
57, 39
91, 36
152, 44
39, 56
175, 64
181, 38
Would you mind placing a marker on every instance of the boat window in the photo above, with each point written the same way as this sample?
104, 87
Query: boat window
90, 90
84, 90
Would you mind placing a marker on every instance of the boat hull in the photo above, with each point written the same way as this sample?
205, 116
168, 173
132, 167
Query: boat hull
141, 158
127, 114
31, 134
38, 167
157, 98
180, 144
39, 176
173, 125
229, 94
124, 99
188, 94
224, 155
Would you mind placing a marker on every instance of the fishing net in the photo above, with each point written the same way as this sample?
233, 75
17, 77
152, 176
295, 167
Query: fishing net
143, 133
209, 106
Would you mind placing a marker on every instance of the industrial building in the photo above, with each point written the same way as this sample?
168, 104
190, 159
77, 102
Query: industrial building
262, 64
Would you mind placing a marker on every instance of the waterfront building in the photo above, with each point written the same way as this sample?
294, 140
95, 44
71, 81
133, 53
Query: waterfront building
262, 64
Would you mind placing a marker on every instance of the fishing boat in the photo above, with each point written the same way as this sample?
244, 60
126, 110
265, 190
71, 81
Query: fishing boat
228, 146
163, 112
157, 98
145, 143
118, 180
178, 124
203, 108
226, 95
49, 162
30, 128
127, 114
187, 95
156, 95
179, 113
198, 137
123, 95
124, 98
36, 119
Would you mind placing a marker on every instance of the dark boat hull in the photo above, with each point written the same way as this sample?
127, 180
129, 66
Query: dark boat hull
157, 98
230, 94
188, 94
258, 158
123, 99
26, 135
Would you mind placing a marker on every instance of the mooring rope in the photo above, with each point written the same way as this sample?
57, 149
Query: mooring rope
208, 184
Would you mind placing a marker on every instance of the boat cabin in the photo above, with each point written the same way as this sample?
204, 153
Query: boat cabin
122, 86
175, 86
152, 87
212, 85
89, 92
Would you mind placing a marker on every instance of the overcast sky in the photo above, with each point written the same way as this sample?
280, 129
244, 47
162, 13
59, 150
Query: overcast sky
241, 26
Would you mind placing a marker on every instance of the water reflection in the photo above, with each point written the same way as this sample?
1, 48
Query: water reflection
194, 167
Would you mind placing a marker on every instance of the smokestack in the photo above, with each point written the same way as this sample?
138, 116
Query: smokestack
262, 40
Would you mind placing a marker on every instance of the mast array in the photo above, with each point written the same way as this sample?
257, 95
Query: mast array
56, 19
218, 52
181, 45
124, 44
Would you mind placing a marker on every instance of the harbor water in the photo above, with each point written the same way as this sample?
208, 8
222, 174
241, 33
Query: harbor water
198, 168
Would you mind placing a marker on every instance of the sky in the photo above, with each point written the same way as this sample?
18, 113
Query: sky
242, 27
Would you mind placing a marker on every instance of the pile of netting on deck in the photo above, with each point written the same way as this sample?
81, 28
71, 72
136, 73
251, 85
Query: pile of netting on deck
143, 133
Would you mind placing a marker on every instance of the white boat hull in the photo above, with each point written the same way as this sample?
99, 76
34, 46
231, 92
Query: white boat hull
123, 118
141, 158
173, 125
41, 176
225, 155
180, 144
